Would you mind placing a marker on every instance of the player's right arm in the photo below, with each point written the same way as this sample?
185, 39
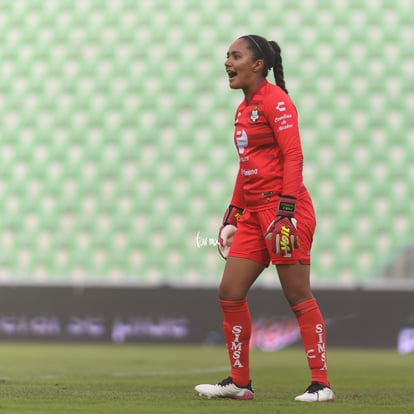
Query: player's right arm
231, 217
237, 203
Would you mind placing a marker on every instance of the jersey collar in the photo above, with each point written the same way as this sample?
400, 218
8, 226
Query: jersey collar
261, 85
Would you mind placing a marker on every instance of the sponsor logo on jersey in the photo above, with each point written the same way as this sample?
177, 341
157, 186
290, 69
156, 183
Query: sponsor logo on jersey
254, 115
281, 106
246, 173
283, 117
283, 120
241, 140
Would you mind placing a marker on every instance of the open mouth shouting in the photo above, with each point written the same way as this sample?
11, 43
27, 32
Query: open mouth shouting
231, 74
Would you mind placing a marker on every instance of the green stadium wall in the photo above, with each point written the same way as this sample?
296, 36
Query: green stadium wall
117, 162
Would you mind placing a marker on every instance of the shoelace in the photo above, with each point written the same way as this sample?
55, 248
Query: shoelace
315, 387
226, 381
229, 381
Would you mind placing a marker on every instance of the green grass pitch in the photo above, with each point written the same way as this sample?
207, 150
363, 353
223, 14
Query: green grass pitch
79, 378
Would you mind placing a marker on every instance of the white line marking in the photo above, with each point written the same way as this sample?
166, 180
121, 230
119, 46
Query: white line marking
164, 373
152, 373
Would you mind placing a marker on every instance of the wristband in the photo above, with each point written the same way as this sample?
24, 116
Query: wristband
232, 215
287, 206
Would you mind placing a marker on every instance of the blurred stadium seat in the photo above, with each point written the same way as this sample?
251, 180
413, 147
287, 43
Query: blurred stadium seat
117, 161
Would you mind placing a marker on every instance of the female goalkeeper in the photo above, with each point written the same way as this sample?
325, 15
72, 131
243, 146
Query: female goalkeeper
270, 219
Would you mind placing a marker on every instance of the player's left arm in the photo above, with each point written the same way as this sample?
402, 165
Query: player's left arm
283, 119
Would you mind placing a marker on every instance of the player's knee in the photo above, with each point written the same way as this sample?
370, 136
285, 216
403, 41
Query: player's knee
294, 298
226, 292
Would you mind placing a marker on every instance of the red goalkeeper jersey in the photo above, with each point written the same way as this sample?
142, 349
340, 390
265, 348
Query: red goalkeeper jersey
267, 139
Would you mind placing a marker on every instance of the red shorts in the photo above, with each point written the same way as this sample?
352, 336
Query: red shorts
249, 241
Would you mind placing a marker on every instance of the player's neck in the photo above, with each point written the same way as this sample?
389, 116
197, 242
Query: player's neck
251, 90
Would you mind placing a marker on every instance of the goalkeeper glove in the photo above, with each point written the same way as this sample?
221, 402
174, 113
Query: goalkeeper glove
282, 231
228, 229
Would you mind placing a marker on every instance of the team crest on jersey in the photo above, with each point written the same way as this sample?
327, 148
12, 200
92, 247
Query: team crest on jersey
254, 115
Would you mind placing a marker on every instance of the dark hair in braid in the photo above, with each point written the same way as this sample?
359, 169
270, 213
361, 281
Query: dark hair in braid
271, 54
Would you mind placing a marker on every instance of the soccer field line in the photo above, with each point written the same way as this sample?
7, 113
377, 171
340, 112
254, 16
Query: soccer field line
146, 373
164, 373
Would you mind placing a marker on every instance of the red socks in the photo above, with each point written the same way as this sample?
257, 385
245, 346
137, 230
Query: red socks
312, 329
237, 331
